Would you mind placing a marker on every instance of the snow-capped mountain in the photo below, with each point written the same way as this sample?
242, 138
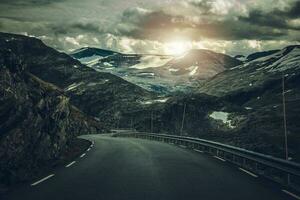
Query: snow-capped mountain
256, 73
160, 73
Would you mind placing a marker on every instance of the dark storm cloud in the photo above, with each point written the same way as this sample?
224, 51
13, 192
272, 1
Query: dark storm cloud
158, 25
142, 24
22, 3
292, 12
75, 27
61, 28
235, 30
275, 18
69, 24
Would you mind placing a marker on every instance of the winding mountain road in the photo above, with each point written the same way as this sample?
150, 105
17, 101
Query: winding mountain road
135, 169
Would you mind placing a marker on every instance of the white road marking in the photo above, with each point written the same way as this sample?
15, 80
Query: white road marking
249, 173
198, 150
182, 146
219, 158
43, 179
82, 155
88, 149
91, 146
291, 194
70, 164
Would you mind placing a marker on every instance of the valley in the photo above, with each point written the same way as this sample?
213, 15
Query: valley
221, 98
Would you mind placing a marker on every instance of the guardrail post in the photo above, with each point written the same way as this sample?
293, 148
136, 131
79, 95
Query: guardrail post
288, 179
256, 167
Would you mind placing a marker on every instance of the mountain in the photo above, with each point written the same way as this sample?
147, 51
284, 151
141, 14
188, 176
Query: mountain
256, 75
160, 73
240, 57
101, 95
89, 52
197, 65
37, 120
257, 55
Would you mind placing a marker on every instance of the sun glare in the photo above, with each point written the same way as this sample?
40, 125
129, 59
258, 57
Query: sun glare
176, 47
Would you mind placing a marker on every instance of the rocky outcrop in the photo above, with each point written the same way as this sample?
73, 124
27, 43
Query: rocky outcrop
37, 121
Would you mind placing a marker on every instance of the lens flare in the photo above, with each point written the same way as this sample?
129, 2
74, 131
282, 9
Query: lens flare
176, 47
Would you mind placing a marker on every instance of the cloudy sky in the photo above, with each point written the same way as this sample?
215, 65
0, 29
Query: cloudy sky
156, 26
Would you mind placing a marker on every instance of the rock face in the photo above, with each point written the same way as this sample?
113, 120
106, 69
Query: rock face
37, 120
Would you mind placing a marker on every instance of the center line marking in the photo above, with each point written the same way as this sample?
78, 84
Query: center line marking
82, 155
43, 179
249, 173
198, 150
72, 163
219, 158
291, 194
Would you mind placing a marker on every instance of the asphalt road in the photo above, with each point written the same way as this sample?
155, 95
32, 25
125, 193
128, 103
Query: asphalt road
135, 169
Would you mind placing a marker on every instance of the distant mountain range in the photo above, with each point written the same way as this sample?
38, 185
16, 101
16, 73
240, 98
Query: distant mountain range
158, 73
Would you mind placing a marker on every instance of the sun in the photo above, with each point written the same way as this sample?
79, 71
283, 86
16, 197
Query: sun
176, 47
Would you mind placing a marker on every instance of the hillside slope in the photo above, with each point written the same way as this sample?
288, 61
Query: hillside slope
101, 95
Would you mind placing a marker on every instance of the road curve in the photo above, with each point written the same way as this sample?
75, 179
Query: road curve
135, 169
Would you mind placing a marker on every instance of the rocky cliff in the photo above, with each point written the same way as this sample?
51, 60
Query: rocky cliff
37, 121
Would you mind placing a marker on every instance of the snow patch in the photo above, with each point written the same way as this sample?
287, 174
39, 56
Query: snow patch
155, 101
107, 64
151, 62
223, 116
147, 74
193, 70
73, 86
173, 70
91, 60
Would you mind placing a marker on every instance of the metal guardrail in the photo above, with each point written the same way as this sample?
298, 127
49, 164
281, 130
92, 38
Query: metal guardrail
279, 170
